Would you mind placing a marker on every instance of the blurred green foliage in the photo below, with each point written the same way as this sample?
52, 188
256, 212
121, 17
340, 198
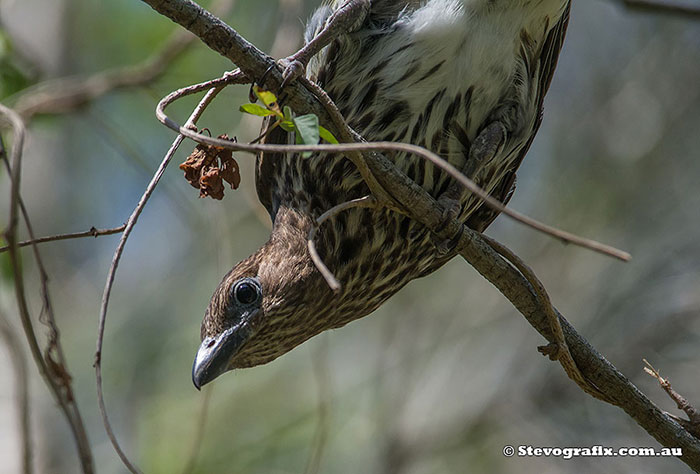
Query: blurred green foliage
14, 75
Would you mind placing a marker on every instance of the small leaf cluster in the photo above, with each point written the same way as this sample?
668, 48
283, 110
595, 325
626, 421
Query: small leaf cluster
306, 127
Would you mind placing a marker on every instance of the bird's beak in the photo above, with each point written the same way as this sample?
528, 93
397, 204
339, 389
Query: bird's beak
215, 353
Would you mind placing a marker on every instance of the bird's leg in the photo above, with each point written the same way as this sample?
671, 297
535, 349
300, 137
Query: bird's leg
345, 19
486, 146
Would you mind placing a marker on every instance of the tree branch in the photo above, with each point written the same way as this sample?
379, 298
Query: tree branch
255, 64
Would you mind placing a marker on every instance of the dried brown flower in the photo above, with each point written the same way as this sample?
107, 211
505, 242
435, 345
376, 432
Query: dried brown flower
208, 167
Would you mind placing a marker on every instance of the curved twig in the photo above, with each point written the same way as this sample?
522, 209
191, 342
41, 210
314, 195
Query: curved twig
385, 146
348, 135
214, 87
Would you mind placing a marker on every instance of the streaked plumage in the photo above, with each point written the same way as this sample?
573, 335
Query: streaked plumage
433, 73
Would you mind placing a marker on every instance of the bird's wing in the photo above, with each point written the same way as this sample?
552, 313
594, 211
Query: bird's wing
485, 215
552, 48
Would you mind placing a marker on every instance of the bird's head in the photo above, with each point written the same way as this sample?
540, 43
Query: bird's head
264, 307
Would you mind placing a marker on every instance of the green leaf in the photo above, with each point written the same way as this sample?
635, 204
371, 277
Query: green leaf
326, 135
255, 109
287, 112
307, 131
308, 128
299, 141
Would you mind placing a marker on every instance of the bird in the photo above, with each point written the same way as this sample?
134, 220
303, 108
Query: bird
465, 79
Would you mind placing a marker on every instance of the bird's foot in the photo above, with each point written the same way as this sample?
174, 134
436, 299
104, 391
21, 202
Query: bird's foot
487, 145
293, 67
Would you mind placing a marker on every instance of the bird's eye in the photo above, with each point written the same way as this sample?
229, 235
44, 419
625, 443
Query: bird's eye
246, 292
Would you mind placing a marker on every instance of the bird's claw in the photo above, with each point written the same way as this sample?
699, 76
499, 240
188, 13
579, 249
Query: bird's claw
293, 69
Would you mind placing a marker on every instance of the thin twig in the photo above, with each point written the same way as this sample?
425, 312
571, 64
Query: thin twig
364, 202
93, 232
214, 87
692, 424
19, 364
386, 146
52, 365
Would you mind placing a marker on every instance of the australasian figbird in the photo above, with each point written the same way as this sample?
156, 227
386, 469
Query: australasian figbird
442, 74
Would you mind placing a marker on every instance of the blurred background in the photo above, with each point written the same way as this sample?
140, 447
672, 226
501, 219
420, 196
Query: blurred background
442, 376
